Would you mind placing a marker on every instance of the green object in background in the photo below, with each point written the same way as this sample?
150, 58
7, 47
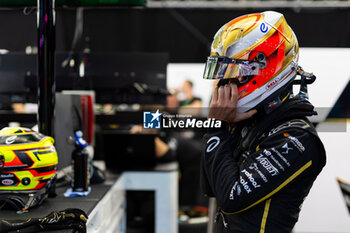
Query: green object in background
76, 2
123, 2
17, 2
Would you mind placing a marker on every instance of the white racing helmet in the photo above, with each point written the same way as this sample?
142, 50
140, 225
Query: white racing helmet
260, 51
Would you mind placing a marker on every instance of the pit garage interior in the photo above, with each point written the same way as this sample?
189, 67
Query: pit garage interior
101, 65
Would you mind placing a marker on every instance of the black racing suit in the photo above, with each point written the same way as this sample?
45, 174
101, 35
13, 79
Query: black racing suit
261, 173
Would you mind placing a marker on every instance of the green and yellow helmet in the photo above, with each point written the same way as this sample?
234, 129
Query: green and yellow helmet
28, 160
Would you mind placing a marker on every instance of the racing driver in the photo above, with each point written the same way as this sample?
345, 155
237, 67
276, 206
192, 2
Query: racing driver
262, 162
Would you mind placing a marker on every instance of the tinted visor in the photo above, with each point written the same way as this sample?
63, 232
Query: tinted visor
223, 67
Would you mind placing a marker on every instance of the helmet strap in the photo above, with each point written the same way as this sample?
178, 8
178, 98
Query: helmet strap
273, 102
276, 100
305, 79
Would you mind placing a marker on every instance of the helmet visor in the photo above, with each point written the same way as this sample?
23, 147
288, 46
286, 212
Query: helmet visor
222, 68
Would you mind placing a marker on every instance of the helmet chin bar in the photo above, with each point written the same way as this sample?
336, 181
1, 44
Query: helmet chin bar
22, 201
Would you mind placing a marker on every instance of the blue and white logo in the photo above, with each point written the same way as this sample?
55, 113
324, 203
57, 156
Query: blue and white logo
264, 28
151, 120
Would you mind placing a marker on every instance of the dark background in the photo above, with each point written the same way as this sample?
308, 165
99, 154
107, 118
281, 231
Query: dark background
185, 34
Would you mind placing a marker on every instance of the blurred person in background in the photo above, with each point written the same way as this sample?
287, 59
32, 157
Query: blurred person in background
189, 104
184, 101
169, 147
190, 100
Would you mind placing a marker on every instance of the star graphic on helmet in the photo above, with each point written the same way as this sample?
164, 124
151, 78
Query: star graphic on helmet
156, 115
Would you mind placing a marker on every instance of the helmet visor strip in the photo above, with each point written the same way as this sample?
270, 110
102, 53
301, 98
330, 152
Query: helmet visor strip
218, 67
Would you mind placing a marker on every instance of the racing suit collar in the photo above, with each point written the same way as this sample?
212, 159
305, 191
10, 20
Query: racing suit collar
262, 122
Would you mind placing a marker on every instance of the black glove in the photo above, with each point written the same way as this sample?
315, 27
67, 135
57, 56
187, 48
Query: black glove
57, 220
